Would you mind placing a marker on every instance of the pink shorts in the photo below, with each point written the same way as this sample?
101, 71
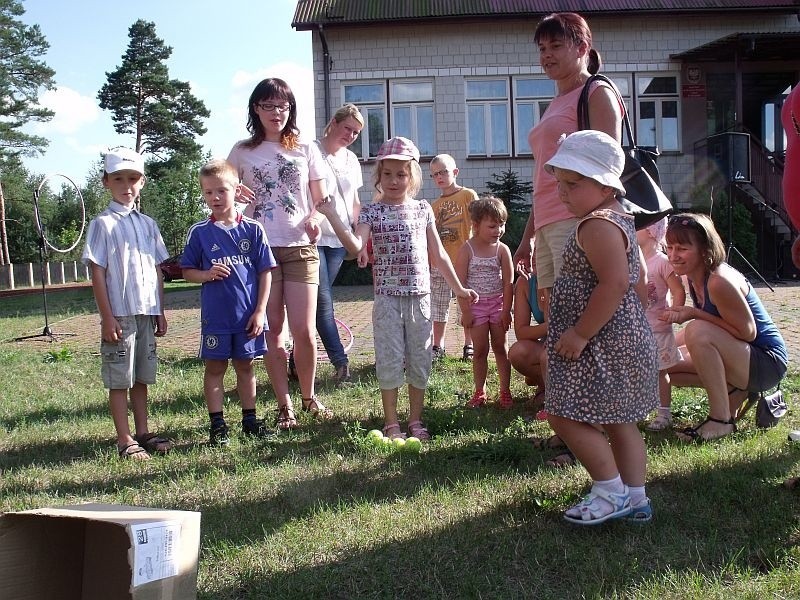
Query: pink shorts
487, 310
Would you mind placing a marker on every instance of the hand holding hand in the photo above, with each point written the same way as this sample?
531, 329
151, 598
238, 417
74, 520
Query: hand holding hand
570, 344
326, 206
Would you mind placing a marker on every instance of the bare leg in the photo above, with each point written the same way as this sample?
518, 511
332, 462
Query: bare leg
301, 310
720, 360
275, 359
480, 360
416, 402
589, 446
213, 387
439, 333
389, 401
245, 382
500, 350
118, 403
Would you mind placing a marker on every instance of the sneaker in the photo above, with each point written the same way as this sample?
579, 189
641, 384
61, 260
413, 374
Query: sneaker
342, 375
256, 428
439, 353
467, 354
478, 399
218, 435
504, 400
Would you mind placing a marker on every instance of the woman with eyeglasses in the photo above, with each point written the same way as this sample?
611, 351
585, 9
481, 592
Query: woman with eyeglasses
342, 180
287, 178
734, 348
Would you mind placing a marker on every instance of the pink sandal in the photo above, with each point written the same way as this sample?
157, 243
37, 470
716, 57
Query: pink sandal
393, 432
417, 430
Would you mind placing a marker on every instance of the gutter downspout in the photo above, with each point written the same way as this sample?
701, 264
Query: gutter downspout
326, 74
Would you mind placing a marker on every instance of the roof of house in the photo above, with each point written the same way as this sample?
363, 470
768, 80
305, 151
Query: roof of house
310, 14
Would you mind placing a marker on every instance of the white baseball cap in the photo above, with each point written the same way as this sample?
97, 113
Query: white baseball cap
120, 159
593, 154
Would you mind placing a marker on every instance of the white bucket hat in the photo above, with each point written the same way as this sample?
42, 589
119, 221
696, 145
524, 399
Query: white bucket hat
593, 154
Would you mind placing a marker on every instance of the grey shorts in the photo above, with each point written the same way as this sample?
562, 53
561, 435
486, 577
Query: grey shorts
403, 340
133, 359
766, 370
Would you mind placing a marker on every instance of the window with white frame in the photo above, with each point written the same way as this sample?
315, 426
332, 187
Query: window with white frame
370, 97
412, 113
658, 110
488, 118
531, 98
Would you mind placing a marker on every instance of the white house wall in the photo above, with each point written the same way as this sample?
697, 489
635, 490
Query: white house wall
451, 51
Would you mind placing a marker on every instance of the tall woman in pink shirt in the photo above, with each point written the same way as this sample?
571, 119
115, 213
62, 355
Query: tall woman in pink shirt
567, 57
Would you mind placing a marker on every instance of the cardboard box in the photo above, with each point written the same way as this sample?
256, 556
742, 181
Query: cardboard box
99, 551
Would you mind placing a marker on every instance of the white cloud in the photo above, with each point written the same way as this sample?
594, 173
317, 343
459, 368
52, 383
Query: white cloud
72, 111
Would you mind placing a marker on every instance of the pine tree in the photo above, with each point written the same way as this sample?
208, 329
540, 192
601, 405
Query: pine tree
514, 193
160, 112
22, 76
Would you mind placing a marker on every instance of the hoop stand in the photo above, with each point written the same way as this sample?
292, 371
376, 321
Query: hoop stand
731, 247
47, 331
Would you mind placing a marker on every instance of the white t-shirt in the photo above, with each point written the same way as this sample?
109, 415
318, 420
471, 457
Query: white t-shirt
342, 170
279, 178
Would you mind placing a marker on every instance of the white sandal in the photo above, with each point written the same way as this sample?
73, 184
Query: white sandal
589, 512
660, 423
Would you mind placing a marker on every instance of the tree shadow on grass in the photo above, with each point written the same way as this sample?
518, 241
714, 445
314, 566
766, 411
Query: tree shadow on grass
543, 556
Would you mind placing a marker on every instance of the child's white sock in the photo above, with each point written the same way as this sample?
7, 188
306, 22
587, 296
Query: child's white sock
614, 486
638, 496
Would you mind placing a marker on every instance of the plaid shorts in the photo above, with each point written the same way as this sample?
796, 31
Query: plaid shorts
441, 294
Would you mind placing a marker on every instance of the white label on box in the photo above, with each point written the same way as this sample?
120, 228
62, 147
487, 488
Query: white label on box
155, 550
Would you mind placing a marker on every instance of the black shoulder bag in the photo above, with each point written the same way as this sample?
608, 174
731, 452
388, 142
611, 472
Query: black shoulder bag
644, 198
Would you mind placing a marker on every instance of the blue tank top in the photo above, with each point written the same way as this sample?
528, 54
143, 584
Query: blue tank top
768, 338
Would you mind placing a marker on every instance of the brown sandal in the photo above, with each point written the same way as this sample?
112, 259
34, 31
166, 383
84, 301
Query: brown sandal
317, 409
285, 419
154, 443
133, 451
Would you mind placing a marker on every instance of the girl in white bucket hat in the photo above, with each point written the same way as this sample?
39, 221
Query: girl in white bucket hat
602, 368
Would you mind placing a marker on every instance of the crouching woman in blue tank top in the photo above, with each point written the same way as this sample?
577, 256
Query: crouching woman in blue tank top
734, 348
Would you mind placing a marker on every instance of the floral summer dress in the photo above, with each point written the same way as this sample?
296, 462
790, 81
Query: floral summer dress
615, 380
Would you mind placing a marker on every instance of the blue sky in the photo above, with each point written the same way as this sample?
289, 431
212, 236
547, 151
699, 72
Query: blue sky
221, 48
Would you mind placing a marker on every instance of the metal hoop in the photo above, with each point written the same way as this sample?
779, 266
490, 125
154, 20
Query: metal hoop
38, 217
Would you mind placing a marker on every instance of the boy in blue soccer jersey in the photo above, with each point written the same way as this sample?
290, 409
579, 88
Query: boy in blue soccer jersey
229, 254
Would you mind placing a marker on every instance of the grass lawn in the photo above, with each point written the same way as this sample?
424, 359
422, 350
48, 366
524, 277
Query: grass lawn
320, 513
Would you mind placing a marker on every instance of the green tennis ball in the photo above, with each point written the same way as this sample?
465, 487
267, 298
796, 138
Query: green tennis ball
375, 436
398, 443
412, 445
